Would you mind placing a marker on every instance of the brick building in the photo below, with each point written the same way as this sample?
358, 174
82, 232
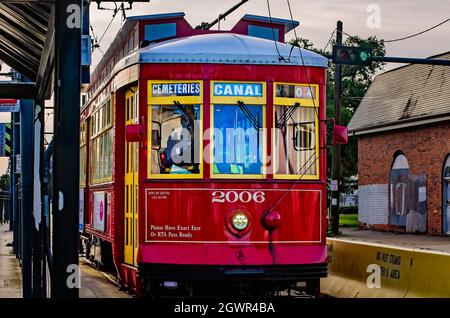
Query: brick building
403, 131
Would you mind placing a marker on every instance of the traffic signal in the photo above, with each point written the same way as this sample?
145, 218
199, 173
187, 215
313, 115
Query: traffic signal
352, 55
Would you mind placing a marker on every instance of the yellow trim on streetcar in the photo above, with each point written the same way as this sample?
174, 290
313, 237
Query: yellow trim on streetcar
304, 102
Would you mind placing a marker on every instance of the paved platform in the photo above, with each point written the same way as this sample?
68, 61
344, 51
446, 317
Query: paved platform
414, 241
93, 283
10, 274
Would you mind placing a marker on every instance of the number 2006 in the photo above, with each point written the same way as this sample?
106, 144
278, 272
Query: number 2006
234, 196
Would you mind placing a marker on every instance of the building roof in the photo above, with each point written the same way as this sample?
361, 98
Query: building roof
23, 31
228, 48
407, 96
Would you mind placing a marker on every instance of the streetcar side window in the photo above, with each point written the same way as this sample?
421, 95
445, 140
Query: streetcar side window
238, 139
176, 139
101, 145
83, 153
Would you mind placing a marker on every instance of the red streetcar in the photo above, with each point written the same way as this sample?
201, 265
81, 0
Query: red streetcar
203, 158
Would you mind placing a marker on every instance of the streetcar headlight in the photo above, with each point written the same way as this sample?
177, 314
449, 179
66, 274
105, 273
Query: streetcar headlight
240, 221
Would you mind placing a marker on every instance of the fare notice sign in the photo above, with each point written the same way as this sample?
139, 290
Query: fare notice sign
9, 106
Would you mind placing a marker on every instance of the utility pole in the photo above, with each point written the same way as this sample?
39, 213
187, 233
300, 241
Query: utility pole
336, 153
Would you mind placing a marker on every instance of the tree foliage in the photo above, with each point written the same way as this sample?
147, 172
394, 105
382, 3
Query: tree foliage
355, 82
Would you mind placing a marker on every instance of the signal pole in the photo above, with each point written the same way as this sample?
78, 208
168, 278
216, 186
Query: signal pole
336, 153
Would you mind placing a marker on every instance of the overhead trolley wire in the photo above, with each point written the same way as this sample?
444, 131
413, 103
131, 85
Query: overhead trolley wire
303, 62
281, 58
302, 169
418, 33
96, 44
405, 37
107, 28
329, 40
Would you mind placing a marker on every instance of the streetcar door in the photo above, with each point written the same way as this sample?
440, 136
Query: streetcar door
131, 180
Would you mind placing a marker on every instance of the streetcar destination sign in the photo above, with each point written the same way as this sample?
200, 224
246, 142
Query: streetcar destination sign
238, 89
302, 91
175, 89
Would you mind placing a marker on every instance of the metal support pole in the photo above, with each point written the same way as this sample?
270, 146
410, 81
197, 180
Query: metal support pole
42, 183
15, 129
404, 60
26, 151
407, 60
12, 182
46, 194
336, 154
38, 251
65, 280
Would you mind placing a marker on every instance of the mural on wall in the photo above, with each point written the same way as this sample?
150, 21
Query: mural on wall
416, 219
408, 198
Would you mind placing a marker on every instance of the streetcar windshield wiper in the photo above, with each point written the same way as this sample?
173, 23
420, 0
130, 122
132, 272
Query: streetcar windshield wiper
286, 116
184, 113
256, 124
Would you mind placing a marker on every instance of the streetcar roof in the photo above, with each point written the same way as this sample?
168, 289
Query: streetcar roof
225, 48
289, 25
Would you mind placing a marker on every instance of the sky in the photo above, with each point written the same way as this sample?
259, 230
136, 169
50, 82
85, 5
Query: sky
386, 19
397, 18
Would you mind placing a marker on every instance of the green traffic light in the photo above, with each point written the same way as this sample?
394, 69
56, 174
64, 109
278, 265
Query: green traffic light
364, 56
352, 55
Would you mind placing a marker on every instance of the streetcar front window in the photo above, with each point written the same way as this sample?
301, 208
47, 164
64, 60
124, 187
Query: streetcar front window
238, 139
295, 140
176, 137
